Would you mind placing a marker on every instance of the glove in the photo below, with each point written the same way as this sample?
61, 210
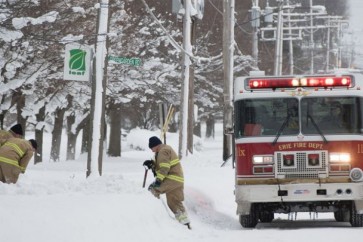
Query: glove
156, 184
149, 164
152, 188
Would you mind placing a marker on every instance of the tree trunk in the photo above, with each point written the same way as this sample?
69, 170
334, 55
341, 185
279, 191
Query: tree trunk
2, 117
39, 136
72, 134
198, 129
173, 127
85, 137
57, 130
19, 109
210, 127
114, 147
2, 113
19, 99
57, 134
72, 138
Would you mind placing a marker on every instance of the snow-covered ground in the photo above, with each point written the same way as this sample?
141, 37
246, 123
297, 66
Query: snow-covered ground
54, 202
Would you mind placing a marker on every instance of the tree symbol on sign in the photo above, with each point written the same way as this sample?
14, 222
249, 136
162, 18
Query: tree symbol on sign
77, 62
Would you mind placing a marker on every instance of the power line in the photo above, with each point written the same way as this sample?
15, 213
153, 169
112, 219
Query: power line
264, 15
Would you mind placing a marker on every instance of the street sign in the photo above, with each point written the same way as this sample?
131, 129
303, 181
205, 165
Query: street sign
124, 60
77, 62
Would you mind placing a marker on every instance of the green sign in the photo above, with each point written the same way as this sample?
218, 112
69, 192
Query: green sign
124, 60
77, 62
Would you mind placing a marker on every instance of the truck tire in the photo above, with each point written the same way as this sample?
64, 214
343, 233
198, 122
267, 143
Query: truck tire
356, 220
251, 220
248, 221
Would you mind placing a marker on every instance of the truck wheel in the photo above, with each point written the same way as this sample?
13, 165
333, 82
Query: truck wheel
356, 220
249, 221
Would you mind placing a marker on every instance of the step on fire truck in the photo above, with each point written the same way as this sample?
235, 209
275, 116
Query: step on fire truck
299, 146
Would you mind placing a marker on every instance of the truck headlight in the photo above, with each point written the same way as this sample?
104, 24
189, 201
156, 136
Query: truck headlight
263, 159
339, 157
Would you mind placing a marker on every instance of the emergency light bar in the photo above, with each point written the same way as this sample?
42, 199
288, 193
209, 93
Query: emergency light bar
290, 82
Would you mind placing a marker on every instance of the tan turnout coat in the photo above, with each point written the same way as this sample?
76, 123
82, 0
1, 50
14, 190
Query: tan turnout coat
170, 172
15, 155
5, 135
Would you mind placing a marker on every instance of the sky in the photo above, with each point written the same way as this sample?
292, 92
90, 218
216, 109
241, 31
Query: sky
55, 202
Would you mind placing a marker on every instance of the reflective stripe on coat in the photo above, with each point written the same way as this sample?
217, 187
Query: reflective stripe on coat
15, 155
168, 169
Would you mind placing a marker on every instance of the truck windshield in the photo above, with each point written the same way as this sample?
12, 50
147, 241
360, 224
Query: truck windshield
266, 116
333, 115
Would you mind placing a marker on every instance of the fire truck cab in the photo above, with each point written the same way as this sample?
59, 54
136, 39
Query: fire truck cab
299, 146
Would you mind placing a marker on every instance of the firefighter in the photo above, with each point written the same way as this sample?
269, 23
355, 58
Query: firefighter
169, 178
15, 131
335, 121
15, 155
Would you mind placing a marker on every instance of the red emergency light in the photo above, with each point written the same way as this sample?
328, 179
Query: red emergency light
292, 82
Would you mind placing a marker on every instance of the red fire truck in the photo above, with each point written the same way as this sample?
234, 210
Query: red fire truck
299, 146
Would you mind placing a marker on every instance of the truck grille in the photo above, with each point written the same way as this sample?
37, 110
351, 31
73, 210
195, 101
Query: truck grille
301, 167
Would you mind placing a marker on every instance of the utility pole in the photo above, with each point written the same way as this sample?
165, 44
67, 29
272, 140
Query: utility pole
328, 47
297, 32
183, 131
228, 50
339, 50
193, 10
256, 13
279, 40
95, 146
291, 47
311, 39
351, 58
191, 93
